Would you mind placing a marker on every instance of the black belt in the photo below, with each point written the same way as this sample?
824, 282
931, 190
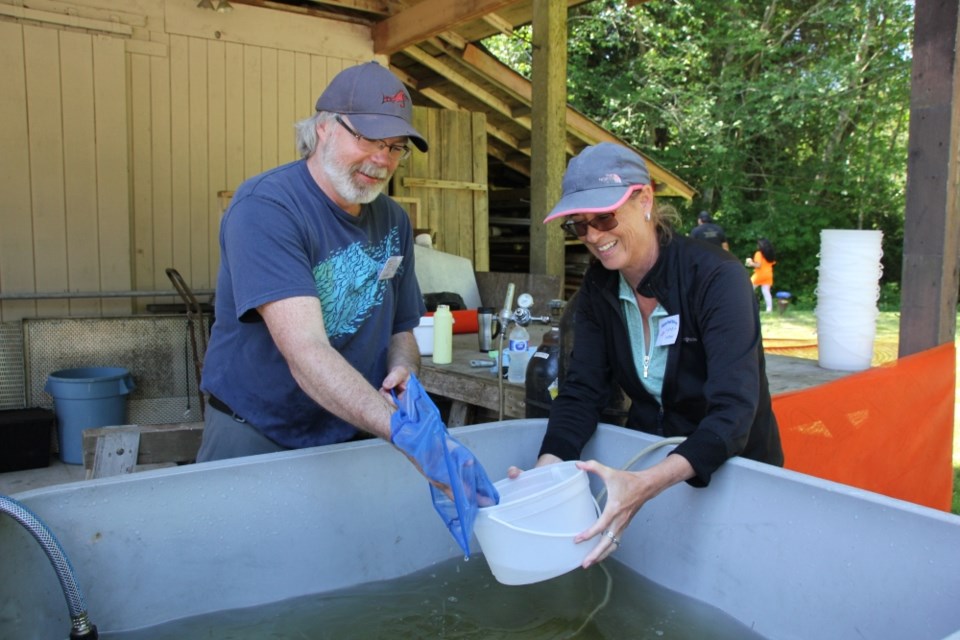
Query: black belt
223, 407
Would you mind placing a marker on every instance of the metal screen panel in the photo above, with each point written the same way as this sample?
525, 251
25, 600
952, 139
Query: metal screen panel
154, 349
12, 388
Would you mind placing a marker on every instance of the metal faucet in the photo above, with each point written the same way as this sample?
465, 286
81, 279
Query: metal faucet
520, 316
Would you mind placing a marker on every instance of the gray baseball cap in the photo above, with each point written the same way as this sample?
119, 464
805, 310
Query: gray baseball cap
378, 104
599, 179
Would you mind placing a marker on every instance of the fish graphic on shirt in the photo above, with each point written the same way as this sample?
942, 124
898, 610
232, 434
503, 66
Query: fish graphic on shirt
349, 286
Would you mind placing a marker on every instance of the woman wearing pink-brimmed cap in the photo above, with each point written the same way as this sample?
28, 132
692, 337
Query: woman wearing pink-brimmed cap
671, 321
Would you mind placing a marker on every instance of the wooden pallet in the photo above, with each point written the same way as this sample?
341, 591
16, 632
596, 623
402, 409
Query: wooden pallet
109, 451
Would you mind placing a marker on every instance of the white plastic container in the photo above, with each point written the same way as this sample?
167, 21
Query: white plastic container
519, 361
847, 292
519, 354
528, 537
424, 335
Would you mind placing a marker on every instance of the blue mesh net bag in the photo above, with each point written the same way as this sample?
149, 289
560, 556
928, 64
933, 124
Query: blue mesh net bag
458, 484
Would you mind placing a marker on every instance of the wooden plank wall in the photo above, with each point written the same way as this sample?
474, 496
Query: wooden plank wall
226, 112
118, 129
451, 182
62, 168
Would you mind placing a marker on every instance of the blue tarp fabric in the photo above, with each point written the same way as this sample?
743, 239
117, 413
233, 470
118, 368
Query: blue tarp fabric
417, 429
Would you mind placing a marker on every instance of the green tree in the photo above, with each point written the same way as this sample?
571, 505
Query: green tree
788, 117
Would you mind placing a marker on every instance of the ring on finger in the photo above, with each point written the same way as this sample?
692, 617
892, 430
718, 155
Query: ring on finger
612, 537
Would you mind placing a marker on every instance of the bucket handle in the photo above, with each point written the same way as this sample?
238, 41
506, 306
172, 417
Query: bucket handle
126, 384
596, 506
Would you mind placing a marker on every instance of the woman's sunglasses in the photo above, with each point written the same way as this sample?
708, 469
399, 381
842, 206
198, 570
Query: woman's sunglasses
600, 222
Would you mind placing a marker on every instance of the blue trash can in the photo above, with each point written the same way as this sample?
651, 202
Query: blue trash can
87, 398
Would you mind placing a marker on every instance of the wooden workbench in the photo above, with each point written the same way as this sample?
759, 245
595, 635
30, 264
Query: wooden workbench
470, 387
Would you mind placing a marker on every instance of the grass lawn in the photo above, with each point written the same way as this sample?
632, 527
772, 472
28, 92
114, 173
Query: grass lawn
800, 325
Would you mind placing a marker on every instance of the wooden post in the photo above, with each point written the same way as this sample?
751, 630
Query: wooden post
928, 300
549, 129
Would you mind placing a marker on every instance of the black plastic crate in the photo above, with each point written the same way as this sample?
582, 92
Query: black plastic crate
25, 436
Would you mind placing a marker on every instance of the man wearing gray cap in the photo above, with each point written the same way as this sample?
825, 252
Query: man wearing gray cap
669, 320
316, 295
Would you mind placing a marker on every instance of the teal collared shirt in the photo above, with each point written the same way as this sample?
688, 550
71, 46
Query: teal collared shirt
651, 362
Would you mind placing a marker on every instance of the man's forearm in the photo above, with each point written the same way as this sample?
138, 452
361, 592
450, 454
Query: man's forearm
403, 352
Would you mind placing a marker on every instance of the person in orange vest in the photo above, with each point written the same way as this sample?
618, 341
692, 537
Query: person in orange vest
762, 262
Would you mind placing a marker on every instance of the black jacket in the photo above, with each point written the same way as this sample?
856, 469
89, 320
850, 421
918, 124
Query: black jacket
715, 389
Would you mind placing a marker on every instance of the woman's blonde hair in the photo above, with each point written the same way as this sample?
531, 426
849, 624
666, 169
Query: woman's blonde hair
663, 215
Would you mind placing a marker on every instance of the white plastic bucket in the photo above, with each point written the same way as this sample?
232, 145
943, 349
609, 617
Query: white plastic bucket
528, 536
848, 289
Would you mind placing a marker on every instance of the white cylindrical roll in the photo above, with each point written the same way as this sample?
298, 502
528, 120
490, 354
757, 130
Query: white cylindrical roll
848, 289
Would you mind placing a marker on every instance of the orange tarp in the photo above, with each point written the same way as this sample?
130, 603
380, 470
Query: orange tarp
888, 429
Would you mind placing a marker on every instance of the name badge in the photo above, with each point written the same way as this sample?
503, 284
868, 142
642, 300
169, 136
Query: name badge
668, 330
390, 267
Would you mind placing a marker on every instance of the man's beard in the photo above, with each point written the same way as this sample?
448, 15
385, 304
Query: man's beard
341, 176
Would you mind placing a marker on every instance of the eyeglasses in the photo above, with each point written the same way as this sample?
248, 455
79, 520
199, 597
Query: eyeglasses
600, 222
369, 145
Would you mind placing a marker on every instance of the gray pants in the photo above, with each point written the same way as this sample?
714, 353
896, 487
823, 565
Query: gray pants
226, 437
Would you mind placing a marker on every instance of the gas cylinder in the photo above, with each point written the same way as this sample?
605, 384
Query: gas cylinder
542, 375
543, 371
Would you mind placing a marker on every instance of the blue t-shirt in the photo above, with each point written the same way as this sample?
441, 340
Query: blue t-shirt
282, 237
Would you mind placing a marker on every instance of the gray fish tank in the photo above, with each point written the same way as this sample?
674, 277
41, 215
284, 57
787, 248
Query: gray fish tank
343, 541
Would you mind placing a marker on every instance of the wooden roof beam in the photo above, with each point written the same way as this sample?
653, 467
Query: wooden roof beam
584, 129
432, 94
517, 162
578, 124
498, 23
447, 71
522, 111
510, 80
493, 102
428, 19
454, 39
450, 104
377, 7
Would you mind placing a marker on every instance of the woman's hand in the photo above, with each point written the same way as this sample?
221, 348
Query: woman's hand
627, 492
544, 460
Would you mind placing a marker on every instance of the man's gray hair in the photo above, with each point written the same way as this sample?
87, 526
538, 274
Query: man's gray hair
307, 132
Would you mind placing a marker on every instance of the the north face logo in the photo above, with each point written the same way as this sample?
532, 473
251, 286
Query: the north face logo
399, 97
610, 178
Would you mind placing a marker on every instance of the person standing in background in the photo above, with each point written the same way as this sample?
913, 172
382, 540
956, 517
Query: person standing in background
709, 231
762, 263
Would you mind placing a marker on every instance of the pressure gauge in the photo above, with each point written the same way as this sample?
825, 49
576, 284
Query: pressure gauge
525, 300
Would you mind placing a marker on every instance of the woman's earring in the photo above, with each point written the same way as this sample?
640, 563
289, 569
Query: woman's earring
648, 216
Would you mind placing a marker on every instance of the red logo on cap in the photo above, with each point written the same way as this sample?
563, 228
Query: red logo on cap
399, 97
